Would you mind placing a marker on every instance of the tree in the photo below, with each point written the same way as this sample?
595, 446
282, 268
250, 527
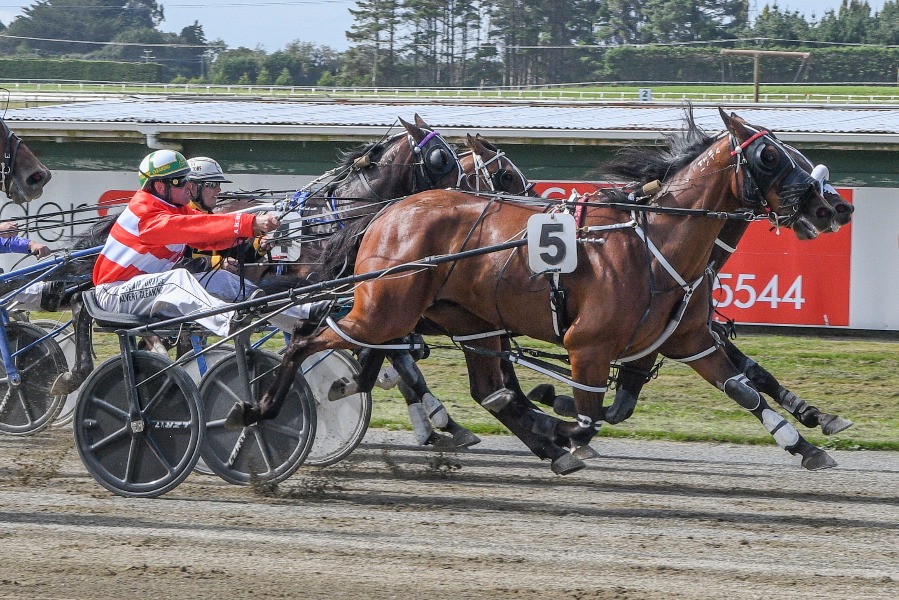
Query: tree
772, 23
87, 20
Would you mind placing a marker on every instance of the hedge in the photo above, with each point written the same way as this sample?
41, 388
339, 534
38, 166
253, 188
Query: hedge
79, 70
856, 64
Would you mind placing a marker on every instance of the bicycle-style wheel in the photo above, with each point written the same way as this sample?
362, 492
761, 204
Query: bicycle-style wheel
340, 424
197, 369
29, 407
268, 451
143, 457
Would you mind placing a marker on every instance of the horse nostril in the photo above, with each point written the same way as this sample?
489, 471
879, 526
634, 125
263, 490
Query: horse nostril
36, 178
824, 213
844, 208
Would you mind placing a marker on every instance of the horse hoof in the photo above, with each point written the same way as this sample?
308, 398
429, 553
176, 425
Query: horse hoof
564, 406
463, 438
436, 412
567, 463
834, 424
236, 419
585, 452
498, 400
440, 442
342, 388
817, 460
64, 385
543, 394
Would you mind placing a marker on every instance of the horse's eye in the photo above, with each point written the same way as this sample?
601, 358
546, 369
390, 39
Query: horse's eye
769, 156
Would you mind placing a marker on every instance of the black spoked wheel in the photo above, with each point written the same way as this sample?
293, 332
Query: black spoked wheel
145, 457
340, 424
197, 369
268, 451
28, 407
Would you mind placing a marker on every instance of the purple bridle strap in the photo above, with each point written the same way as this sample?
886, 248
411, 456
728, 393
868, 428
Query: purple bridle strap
427, 138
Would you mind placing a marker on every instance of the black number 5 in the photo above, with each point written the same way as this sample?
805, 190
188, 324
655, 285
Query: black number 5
549, 239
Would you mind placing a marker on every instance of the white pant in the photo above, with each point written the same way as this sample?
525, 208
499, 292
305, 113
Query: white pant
176, 293
29, 298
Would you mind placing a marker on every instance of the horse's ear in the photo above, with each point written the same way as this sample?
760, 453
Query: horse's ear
421, 122
735, 125
473, 143
415, 131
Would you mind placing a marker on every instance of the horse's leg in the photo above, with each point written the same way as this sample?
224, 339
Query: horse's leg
589, 367
300, 348
536, 429
718, 370
70, 381
766, 383
421, 401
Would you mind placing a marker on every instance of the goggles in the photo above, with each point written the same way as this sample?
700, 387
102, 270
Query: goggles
213, 185
178, 182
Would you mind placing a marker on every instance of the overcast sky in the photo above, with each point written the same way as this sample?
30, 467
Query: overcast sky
272, 25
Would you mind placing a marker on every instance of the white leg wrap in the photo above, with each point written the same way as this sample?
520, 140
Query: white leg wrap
387, 378
435, 410
586, 422
783, 433
420, 424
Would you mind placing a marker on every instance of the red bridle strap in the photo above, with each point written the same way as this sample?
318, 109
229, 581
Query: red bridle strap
742, 146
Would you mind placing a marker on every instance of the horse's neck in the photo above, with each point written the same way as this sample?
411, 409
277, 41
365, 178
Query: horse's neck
687, 242
726, 243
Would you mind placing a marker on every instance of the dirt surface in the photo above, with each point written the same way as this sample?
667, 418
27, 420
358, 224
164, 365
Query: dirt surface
646, 520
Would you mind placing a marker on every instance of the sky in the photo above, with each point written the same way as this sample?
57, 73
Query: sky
272, 25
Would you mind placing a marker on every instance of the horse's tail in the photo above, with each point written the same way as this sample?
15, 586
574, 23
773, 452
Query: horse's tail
95, 235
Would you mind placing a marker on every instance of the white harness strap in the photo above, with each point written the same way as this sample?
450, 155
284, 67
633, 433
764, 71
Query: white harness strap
659, 257
333, 325
534, 367
725, 247
478, 336
696, 356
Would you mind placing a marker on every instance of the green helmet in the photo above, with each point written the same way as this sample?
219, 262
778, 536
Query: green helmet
162, 164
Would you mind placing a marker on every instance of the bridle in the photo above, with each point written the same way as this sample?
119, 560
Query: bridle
763, 161
434, 160
10, 151
500, 180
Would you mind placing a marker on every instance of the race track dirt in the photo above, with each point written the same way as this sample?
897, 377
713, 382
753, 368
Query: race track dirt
647, 520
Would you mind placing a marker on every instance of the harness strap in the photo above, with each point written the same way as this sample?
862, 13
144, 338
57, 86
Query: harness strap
725, 247
514, 358
410, 346
478, 336
697, 356
661, 258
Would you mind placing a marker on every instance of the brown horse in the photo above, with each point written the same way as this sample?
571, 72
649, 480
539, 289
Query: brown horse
22, 175
620, 298
693, 331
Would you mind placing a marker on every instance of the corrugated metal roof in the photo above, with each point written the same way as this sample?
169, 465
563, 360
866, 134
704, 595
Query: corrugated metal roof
526, 119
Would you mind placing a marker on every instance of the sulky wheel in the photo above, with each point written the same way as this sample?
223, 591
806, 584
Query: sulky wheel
340, 424
197, 370
28, 407
268, 451
66, 341
141, 458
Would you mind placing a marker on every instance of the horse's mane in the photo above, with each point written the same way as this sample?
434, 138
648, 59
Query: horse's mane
644, 164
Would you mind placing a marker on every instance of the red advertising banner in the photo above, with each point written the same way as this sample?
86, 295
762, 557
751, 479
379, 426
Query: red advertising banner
772, 279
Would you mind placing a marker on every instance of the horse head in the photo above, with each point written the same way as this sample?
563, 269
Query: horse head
436, 165
486, 167
22, 175
770, 179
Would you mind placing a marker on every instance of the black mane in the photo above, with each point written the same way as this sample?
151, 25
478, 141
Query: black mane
645, 164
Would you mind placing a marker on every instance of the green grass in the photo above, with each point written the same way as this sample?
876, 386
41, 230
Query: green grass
839, 94
854, 378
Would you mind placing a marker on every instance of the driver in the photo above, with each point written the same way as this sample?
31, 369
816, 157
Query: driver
135, 271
